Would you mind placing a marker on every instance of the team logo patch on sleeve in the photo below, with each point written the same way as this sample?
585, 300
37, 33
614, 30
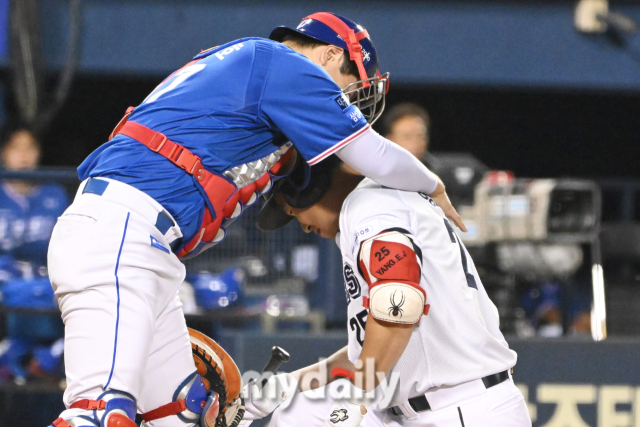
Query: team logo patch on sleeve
355, 116
343, 101
364, 232
351, 284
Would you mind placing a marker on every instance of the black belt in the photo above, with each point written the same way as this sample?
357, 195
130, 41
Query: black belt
98, 186
420, 403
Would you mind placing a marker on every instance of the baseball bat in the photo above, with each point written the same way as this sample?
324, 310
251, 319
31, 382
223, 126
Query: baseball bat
278, 357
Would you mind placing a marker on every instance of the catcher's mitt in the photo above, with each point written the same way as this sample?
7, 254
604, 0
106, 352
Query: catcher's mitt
220, 374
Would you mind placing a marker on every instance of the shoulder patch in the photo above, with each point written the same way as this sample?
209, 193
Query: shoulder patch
351, 284
355, 115
343, 101
364, 232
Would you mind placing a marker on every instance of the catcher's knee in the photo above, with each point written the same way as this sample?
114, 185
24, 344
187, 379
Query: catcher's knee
113, 408
119, 410
189, 401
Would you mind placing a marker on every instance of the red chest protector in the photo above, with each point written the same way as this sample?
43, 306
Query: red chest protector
223, 195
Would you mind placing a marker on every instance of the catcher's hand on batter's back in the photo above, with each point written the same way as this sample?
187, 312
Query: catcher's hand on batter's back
441, 198
220, 375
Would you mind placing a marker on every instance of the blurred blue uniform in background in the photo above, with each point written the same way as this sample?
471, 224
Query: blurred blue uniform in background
28, 213
26, 222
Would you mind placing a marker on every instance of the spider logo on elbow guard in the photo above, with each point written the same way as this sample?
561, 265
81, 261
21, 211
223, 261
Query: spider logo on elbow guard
396, 307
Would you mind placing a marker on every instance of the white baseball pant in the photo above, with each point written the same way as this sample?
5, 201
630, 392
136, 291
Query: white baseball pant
118, 293
501, 405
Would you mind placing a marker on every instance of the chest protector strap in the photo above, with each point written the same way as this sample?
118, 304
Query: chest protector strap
222, 194
225, 198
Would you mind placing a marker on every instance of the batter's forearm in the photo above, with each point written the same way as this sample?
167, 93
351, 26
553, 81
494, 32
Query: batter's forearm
387, 163
321, 372
383, 345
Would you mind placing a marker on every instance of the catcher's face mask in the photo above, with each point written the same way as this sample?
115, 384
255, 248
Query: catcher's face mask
368, 93
369, 99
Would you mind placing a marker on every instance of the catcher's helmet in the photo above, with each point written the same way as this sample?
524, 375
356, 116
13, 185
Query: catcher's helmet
368, 93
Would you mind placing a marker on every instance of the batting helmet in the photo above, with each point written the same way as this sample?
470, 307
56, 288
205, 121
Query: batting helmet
369, 92
302, 188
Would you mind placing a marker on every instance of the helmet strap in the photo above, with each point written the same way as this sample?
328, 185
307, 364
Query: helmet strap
350, 37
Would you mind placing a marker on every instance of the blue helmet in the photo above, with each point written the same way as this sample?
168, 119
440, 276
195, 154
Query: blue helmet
339, 31
369, 92
218, 290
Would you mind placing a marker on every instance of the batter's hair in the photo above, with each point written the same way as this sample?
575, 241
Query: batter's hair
348, 66
399, 111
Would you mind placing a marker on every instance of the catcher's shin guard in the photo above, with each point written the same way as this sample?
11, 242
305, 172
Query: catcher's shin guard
188, 402
113, 408
210, 397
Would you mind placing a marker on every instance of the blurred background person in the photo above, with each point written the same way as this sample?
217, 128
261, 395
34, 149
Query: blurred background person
28, 212
407, 124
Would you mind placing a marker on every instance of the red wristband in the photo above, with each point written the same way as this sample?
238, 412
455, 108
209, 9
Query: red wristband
343, 373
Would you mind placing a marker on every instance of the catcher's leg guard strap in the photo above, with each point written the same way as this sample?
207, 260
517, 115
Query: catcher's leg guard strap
89, 404
188, 402
80, 421
111, 409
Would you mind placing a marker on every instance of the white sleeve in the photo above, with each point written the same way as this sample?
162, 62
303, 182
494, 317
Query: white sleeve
387, 163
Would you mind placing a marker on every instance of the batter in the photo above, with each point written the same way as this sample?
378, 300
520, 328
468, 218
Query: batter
417, 311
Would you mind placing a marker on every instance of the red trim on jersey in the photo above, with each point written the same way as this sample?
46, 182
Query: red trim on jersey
393, 261
60, 423
338, 146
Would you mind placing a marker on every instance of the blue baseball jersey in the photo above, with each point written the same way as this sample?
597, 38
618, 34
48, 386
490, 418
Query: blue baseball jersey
26, 222
233, 104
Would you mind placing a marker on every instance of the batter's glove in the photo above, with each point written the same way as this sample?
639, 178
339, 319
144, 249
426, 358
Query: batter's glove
348, 411
345, 414
261, 402
220, 376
